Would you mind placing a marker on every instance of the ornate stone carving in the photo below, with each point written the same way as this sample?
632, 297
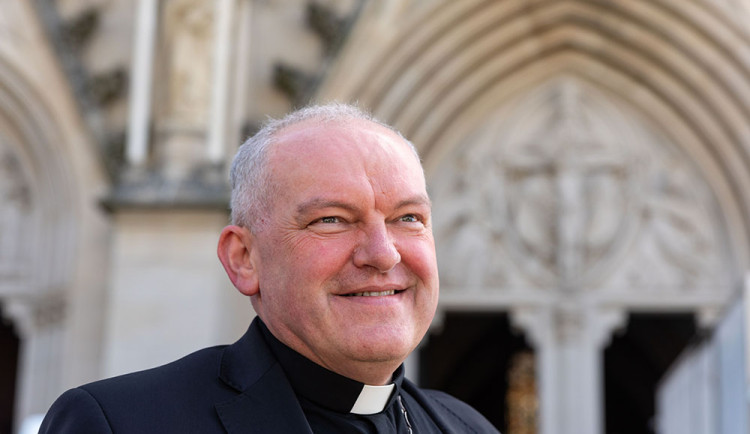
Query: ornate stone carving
30, 315
324, 20
295, 83
15, 207
568, 190
108, 87
189, 36
678, 245
470, 227
571, 192
14, 190
79, 30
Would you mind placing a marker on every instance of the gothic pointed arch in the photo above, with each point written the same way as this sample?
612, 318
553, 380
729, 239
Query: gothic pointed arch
570, 189
48, 211
439, 70
37, 213
586, 159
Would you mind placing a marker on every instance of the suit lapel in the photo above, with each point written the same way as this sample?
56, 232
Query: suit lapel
269, 406
266, 402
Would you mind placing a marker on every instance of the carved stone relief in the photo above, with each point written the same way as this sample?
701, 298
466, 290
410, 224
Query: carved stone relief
15, 208
188, 26
31, 315
678, 245
184, 87
568, 191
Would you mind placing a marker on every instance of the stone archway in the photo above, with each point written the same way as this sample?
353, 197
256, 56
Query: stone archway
437, 70
46, 196
586, 159
570, 210
31, 277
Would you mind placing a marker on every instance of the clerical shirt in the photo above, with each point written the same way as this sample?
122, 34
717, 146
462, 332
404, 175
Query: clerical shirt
333, 403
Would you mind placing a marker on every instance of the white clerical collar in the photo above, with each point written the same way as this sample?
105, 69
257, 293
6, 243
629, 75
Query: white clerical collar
372, 399
328, 389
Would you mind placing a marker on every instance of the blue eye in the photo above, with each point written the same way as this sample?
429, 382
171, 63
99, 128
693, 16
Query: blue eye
329, 220
409, 218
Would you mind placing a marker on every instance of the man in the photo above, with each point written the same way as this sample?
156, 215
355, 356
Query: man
332, 241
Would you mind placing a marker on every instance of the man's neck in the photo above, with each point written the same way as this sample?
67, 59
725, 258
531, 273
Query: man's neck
328, 388
373, 373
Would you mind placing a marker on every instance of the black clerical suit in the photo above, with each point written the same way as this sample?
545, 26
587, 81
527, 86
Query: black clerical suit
240, 388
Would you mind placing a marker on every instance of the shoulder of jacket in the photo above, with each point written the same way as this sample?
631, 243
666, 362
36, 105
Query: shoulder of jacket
463, 417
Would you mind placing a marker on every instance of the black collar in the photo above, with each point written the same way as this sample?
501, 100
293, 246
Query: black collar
319, 385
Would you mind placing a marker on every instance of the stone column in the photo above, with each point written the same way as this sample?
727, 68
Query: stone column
569, 338
217, 134
40, 324
142, 76
168, 294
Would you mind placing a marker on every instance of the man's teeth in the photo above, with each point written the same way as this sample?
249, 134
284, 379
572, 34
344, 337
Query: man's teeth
372, 294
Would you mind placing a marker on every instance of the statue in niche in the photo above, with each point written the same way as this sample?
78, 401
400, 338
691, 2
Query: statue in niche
567, 193
14, 210
189, 26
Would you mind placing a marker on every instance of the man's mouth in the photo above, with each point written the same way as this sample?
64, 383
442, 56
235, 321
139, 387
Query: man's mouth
373, 293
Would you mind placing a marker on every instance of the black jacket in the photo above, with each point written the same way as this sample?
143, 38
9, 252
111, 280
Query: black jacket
238, 388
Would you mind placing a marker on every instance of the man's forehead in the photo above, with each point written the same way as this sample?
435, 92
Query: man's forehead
330, 147
324, 131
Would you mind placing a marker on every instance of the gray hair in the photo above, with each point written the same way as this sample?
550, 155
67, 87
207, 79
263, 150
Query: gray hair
249, 176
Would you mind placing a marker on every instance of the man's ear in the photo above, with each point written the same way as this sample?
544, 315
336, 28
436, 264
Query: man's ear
235, 252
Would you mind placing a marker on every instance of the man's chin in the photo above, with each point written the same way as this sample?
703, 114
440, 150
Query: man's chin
394, 350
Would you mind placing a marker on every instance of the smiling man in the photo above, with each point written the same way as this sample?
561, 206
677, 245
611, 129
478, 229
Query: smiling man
332, 241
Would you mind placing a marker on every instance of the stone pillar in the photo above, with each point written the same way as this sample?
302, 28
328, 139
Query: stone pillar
243, 75
142, 76
569, 338
40, 325
168, 292
217, 134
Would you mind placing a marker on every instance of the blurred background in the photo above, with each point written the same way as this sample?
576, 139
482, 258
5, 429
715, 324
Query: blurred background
588, 160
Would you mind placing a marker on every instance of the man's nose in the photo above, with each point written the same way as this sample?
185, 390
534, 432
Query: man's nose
376, 249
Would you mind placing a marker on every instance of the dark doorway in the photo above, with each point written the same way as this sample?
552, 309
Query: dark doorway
8, 369
635, 361
470, 359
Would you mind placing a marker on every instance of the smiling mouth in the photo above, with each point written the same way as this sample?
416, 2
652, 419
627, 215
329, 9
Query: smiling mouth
374, 294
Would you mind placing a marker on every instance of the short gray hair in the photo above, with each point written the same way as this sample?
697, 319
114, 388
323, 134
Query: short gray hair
249, 176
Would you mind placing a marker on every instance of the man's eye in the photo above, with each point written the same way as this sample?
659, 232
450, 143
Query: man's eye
409, 218
329, 220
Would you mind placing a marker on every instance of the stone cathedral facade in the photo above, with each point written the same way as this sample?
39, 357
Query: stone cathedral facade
588, 161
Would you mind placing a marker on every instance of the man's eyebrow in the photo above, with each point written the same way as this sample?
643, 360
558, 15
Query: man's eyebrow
319, 202
420, 200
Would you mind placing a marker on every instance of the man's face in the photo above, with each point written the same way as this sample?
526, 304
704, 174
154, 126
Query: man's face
346, 259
